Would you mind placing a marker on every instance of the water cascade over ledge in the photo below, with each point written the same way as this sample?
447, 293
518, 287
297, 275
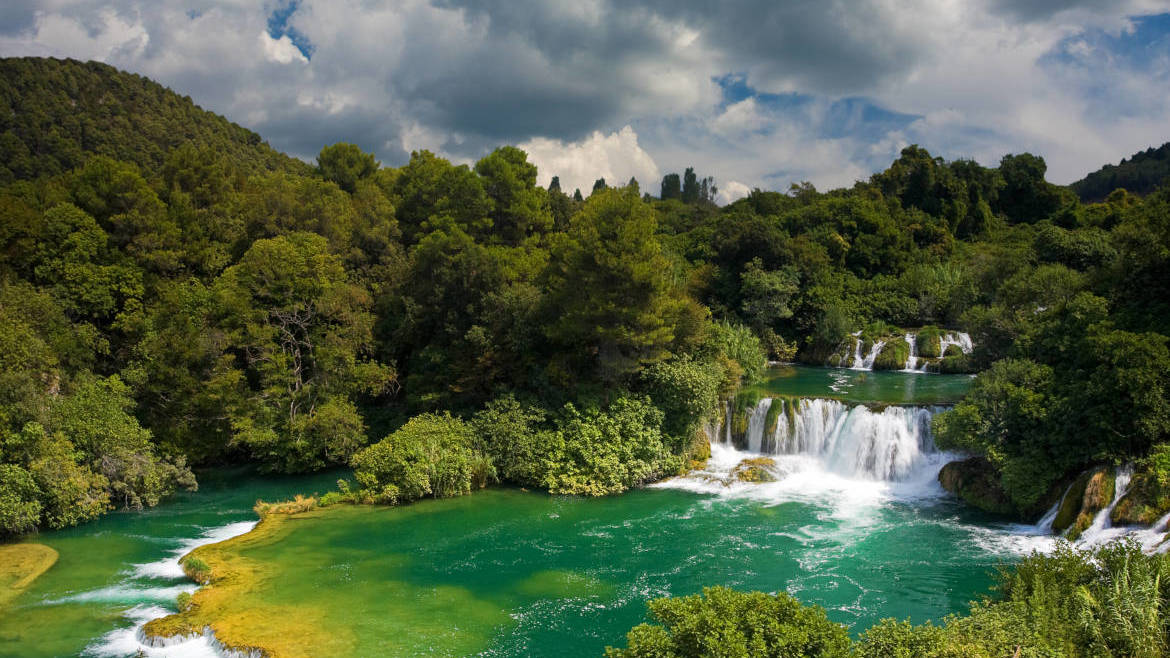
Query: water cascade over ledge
856, 356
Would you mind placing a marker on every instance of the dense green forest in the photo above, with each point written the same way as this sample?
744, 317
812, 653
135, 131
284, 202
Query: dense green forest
174, 293
1140, 174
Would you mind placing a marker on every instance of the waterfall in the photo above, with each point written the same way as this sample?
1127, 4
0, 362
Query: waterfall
912, 360
867, 363
756, 421
851, 441
1101, 529
914, 363
959, 338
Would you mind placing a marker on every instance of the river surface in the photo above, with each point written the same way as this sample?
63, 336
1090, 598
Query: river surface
507, 572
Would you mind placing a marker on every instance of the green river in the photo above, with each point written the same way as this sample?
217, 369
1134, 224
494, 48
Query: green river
507, 572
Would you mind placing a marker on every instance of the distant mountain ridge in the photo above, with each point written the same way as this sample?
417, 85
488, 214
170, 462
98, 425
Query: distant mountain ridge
1139, 174
55, 113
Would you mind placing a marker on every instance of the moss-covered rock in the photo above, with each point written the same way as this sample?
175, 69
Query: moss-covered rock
893, 355
1090, 493
929, 342
953, 350
1148, 497
953, 364
976, 482
758, 469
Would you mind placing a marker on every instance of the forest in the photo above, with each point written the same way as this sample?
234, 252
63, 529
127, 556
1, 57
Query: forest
175, 294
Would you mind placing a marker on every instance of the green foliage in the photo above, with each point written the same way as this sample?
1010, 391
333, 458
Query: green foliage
724, 622
20, 507
609, 290
598, 453
739, 346
511, 433
301, 328
687, 392
1141, 173
432, 455
58, 112
346, 164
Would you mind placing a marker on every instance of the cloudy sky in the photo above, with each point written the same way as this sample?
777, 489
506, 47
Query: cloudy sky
758, 93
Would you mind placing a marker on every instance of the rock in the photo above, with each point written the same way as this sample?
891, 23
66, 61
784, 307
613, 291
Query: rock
975, 481
758, 469
1090, 493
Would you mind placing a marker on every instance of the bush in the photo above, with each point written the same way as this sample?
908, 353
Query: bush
597, 453
20, 511
724, 622
196, 569
687, 392
432, 455
893, 355
511, 434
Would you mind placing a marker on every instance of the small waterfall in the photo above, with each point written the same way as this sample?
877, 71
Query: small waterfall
866, 363
912, 361
1099, 531
851, 441
962, 339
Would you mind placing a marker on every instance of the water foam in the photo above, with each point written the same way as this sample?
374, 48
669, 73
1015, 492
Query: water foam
151, 599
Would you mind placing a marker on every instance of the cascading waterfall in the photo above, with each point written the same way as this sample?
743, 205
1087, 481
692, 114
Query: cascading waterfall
853, 441
912, 360
866, 363
914, 363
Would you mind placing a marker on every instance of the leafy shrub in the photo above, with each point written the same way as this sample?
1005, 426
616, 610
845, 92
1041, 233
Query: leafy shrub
724, 622
687, 392
597, 453
432, 455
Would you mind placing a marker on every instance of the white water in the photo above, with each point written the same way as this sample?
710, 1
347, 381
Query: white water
854, 460
913, 363
866, 363
152, 586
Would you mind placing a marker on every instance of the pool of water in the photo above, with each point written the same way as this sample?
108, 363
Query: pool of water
863, 386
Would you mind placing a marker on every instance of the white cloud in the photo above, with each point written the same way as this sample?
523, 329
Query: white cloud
281, 50
559, 76
615, 157
730, 191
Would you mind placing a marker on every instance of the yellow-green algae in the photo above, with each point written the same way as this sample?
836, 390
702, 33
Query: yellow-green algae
252, 575
20, 565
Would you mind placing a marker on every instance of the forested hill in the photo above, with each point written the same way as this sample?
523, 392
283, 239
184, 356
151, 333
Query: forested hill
55, 113
187, 296
1140, 174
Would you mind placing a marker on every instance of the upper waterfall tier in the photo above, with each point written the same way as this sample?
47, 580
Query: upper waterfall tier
920, 351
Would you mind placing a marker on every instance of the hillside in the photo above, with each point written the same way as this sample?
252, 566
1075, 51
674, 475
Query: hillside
56, 113
1139, 174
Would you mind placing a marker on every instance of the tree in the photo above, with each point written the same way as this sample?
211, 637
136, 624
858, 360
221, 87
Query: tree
609, 288
301, 332
599, 185
519, 207
690, 186
671, 187
345, 164
431, 455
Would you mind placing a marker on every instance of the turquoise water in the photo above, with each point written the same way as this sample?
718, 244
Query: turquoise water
863, 386
507, 572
